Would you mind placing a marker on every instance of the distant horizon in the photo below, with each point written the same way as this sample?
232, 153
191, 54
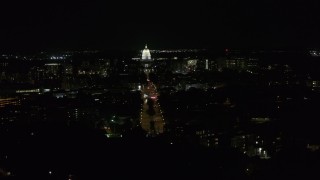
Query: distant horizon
129, 50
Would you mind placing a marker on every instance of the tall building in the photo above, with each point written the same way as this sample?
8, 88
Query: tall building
239, 63
146, 60
53, 70
146, 54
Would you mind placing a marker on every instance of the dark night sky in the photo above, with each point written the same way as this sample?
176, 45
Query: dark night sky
161, 24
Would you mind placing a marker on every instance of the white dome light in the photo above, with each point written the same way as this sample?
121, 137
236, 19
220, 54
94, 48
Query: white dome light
146, 54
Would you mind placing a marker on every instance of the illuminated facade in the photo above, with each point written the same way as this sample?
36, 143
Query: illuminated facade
9, 101
146, 60
146, 54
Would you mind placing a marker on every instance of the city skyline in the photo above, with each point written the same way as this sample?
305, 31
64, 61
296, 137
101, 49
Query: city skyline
238, 114
220, 89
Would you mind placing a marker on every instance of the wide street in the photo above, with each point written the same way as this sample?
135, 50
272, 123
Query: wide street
152, 122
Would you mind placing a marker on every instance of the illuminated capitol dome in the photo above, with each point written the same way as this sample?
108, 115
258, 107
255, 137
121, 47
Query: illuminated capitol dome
146, 54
